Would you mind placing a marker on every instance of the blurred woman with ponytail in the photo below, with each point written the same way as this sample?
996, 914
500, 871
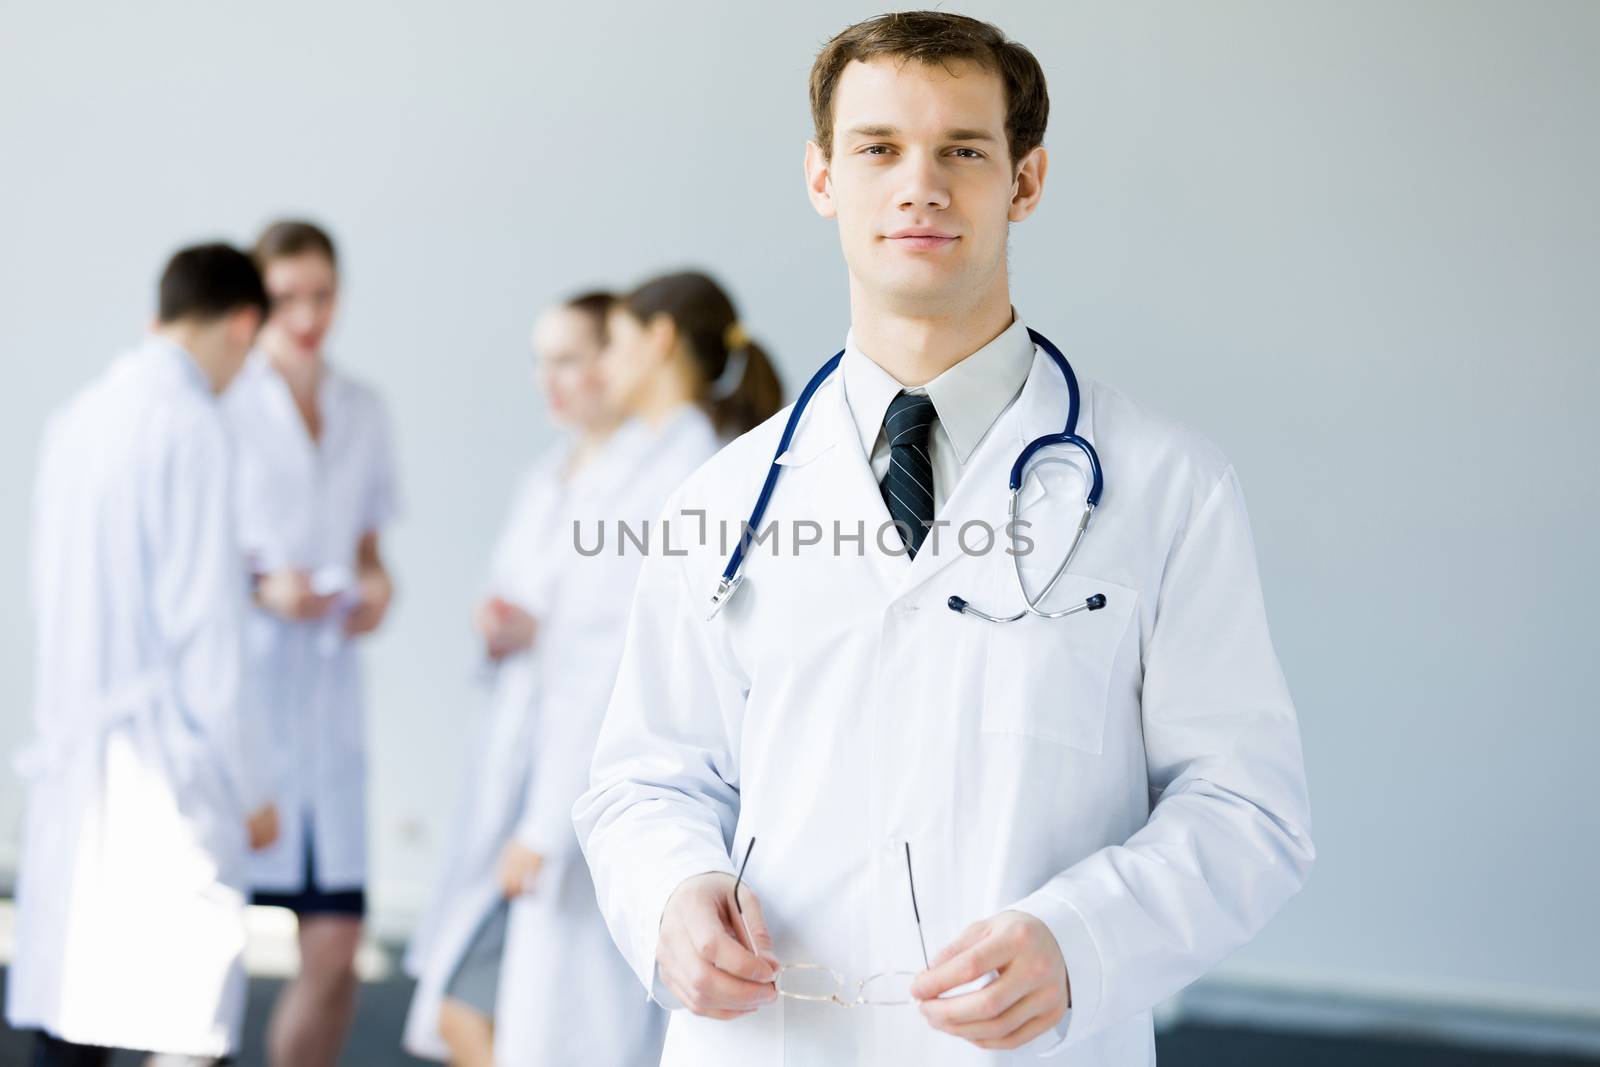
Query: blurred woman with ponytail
685, 374
676, 343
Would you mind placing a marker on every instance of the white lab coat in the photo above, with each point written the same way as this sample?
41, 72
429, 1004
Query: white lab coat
130, 893
566, 995
306, 504
1131, 776
524, 569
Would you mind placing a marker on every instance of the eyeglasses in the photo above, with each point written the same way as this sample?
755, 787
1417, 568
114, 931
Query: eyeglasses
819, 984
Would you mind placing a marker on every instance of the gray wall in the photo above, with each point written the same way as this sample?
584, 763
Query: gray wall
1356, 244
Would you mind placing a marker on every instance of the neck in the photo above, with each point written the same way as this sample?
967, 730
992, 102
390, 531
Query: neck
598, 431
587, 444
205, 347
916, 346
672, 388
298, 372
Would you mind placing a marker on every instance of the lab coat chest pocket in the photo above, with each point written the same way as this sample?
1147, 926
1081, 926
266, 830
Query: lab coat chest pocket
1050, 678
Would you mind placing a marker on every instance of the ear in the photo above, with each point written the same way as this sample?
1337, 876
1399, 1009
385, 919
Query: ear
819, 183
244, 325
662, 333
1028, 186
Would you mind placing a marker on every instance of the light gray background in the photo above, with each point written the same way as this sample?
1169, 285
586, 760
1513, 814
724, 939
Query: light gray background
1356, 244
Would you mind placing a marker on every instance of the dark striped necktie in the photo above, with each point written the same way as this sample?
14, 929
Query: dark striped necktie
908, 483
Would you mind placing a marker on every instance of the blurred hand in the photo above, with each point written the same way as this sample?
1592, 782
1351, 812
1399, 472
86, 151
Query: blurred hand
1030, 996
263, 827
519, 868
702, 953
505, 627
288, 595
375, 591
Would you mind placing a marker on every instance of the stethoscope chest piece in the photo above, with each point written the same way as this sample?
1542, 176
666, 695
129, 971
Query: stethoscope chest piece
726, 587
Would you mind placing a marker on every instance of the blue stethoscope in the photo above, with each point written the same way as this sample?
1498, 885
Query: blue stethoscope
731, 579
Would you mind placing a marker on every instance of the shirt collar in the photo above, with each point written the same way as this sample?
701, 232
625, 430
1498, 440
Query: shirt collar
968, 397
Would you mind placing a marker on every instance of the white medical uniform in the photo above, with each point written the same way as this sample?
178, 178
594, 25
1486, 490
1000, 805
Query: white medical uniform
566, 995
306, 504
130, 894
1130, 776
524, 570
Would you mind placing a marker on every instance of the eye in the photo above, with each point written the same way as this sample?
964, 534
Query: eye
967, 153
876, 150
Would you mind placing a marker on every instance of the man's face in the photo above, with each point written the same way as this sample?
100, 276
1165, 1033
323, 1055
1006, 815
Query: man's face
921, 182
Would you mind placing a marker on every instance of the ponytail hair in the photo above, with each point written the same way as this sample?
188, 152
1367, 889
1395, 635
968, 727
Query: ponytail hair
739, 386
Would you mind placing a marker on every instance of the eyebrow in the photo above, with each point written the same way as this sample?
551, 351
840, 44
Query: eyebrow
958, 134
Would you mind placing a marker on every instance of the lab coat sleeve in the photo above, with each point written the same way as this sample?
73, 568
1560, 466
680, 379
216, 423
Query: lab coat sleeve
663, 795
200, 590
1228, 840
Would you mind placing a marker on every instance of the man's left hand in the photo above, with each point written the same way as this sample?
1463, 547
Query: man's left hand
1030, 996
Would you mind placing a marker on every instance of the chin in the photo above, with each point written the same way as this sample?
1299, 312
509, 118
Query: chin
925, 295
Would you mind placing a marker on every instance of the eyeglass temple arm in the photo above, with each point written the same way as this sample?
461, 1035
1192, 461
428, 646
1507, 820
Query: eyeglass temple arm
915, 911
737, 903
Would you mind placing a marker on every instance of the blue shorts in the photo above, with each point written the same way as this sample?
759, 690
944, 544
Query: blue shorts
312, 899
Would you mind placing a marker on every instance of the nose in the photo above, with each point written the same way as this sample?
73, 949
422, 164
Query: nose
924, 184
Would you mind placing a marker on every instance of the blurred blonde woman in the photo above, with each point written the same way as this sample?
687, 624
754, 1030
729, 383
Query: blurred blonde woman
315, 489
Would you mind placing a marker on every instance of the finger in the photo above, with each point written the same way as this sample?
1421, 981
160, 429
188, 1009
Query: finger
1029, 1030
709, 986
969, 937
690, 1001
752, 925
980, 1005
990, 953
1035, 1002
714, 942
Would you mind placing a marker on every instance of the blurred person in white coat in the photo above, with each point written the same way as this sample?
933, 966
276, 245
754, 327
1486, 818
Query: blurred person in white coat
686, 374
141, 802
455, 952
316, 487
1012, 787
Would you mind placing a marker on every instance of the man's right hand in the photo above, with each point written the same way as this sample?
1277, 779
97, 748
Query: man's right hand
288, 595
702, 953
263, 827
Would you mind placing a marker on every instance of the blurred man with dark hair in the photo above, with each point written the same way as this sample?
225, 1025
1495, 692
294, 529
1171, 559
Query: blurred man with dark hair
140, 810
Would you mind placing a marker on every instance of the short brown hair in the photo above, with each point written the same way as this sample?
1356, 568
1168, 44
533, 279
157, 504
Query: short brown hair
293, 237
206, 282
936, 38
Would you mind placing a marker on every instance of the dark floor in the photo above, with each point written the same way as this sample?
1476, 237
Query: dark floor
383, 1007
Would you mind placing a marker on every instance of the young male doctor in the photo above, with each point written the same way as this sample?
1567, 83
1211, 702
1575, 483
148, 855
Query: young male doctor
141, 795
974, 836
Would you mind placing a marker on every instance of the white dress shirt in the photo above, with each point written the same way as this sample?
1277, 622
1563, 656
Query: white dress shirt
968, 398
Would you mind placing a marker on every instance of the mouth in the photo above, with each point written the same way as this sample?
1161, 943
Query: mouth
921, 239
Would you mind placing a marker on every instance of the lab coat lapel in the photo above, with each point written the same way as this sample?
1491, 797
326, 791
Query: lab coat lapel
831, 477
280, 407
